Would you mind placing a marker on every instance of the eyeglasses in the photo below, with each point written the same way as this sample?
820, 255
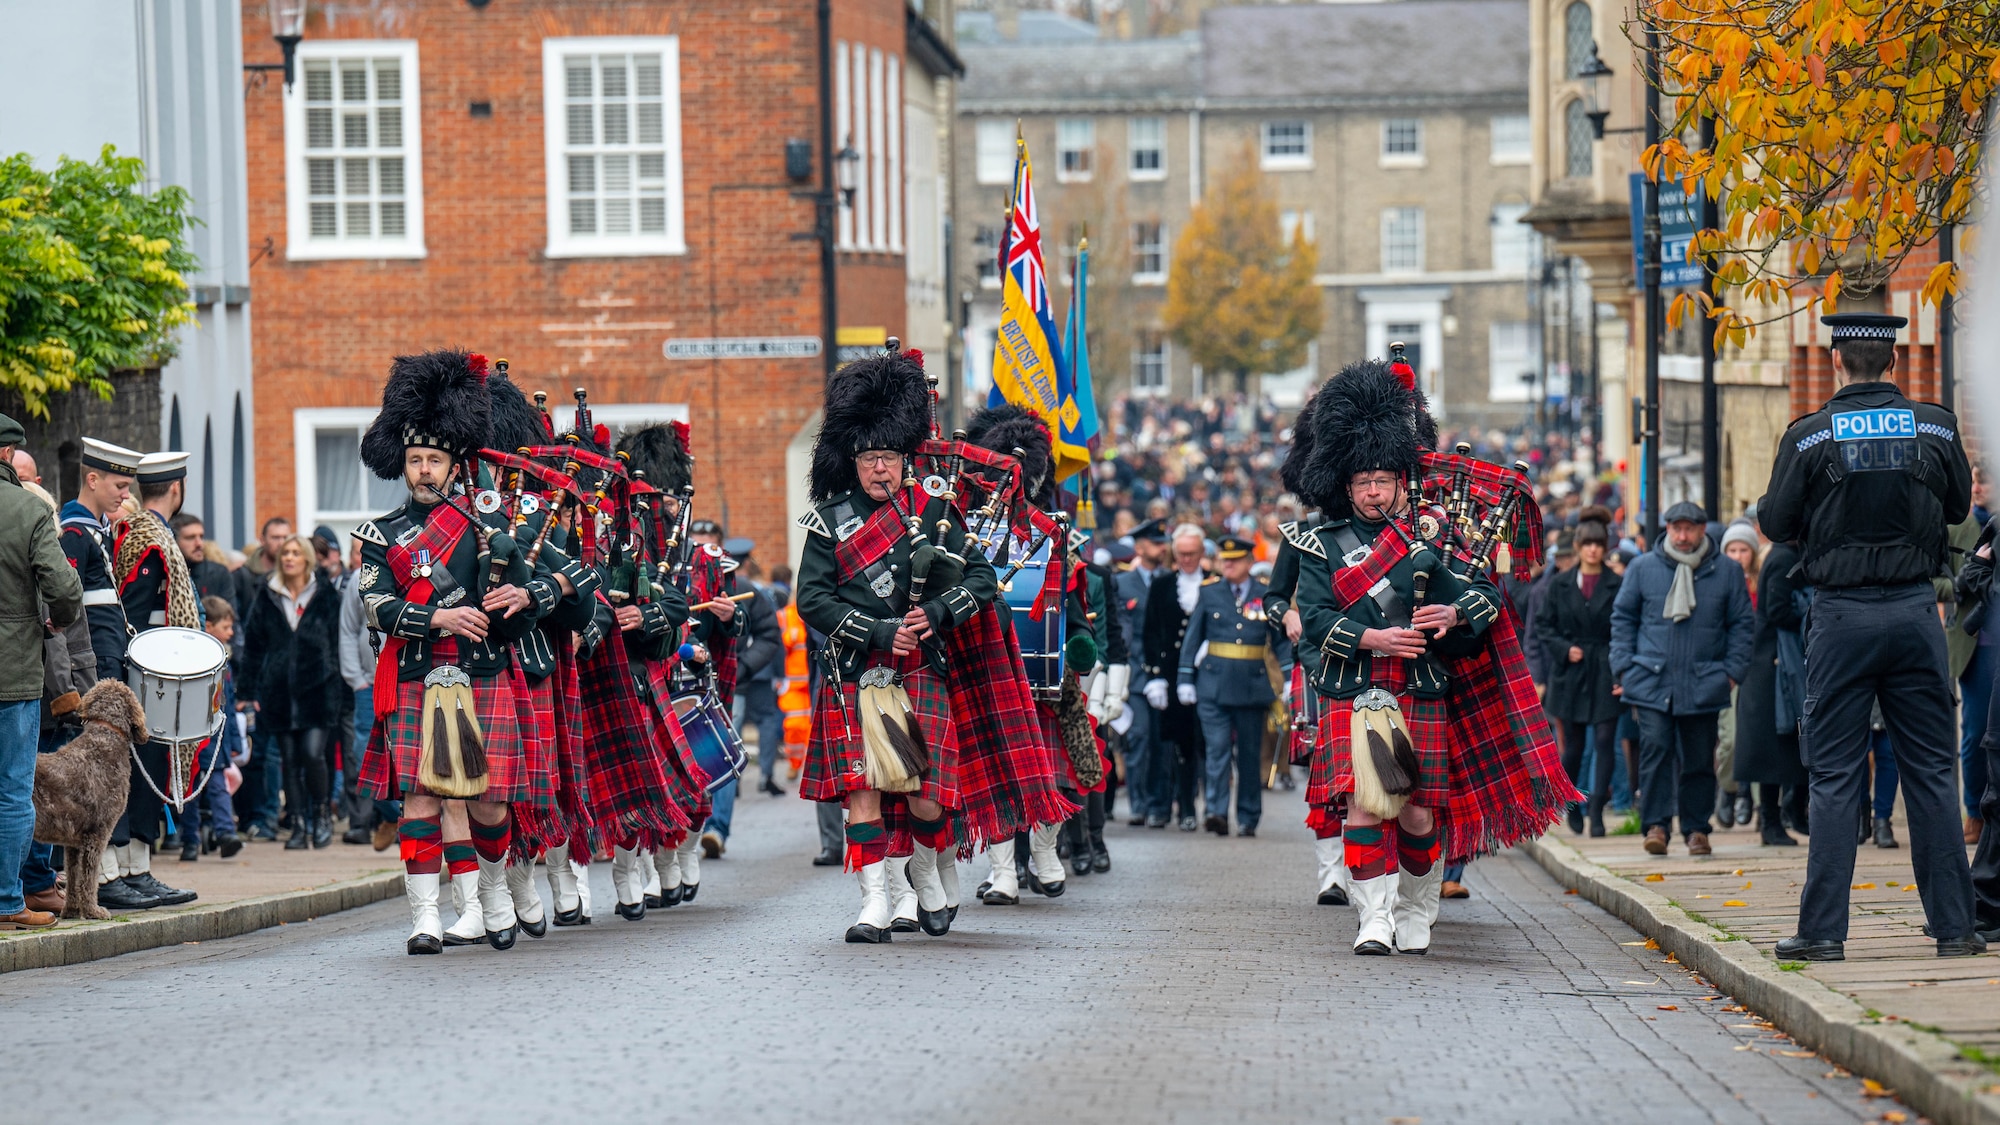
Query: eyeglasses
1374, 482
878, 460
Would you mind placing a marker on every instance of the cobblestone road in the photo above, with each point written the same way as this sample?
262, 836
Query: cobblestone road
1196, 982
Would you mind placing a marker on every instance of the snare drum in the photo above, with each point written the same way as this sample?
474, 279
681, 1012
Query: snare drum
177, 675
717, 748
1041, 641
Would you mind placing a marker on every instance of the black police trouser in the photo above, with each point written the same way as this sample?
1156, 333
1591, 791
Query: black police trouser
1676, 769
1865, 644
1986, 858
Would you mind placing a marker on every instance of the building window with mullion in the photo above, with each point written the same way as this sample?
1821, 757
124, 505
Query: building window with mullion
353, 154
613, 133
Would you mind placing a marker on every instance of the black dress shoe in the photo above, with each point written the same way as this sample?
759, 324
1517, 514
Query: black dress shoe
1136, 821
655, 902
632, 912
533, 929
422, 943
1100, 860
672, 896
1970, 946
1156, 822
936, 923
1247, 830
1811, 949
1052, 888
144, 883
227, 844
1576, 819
1775, 836
903, 926
1079, 865
453, 941
980, 890
861, 933
190, 851
992, 897
1372, 949
951, 915
1217, 825
1989, 935
1885, 836
827, 859
572, 917
121, 895
503, 939
357, 835
1333, 896
688, 891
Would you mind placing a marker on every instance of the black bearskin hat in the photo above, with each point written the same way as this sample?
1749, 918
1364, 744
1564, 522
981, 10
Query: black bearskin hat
1007, 427
1363, 418
435, 400
1293, 469
881, 402
660, 452
516, 424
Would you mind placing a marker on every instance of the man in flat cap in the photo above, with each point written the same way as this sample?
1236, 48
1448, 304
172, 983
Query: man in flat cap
1869, 485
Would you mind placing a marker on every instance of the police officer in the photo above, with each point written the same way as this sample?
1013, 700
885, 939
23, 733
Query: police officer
1228, 685
1868, 485
1146, 791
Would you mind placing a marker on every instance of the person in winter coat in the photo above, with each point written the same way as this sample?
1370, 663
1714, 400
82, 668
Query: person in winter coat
1574, 626
1767, 746
291, 657
1681, 630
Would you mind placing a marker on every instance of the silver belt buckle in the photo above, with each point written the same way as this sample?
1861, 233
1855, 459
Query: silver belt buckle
880, 677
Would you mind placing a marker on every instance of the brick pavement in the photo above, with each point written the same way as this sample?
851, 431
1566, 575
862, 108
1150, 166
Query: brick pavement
1892, 968
1196, 982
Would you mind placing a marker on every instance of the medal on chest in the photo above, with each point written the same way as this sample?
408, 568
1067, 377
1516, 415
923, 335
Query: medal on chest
422, 567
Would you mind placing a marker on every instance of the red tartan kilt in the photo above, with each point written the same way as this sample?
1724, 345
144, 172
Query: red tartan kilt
517, 761
835, 763
1299, 743
1333, 768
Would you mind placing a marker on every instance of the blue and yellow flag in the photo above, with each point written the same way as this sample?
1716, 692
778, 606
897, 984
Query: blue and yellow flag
1029, 368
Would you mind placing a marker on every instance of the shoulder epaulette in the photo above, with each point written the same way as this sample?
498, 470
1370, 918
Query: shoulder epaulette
1303, 539
814, 522
1210, 580
369, 533
1078, 539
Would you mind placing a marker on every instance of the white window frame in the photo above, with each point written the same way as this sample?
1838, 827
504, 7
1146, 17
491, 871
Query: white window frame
563, 244
1505, 224
1289, 221
1402, 159
1391, 215
1134, 146
1521, 149
1504, 370
1142, 390
1287, 161
1149, 277
1089, 151
1001, 150
299, 243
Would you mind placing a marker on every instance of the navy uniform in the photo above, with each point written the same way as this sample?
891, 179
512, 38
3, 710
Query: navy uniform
1146, 790
1168, 604
86, 540
1230, 688
1868, 485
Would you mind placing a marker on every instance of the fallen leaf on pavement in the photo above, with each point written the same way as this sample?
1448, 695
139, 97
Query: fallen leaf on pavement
1747, 1047
1746, 886
1735, 902
1632, 942
1909, 887
1704, 896
1796, 1054
1873, 1089
1668, 1007
1895, 1116
1735, 1008
1711, 998
1656, 877
1569, 892
1673, 959
1866, 886
1652, 943
1738, 871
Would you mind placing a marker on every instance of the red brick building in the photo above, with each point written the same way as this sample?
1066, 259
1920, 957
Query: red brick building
569, 184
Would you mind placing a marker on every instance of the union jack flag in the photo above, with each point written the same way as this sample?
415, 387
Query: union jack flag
1023, 253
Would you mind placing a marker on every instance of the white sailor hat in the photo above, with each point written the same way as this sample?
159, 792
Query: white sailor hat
160, 468
110, 458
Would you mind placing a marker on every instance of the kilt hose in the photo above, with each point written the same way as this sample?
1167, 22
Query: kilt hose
518, 766
836, 765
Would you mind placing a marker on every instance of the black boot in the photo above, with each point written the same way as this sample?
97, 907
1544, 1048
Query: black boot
1597, 816
1774, 834
301, 837
1885, 836
190, 849
1076, 840
322, 825
1100, 860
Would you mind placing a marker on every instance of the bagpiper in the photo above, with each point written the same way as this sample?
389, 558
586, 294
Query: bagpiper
447, 591
888, 599
1430, 741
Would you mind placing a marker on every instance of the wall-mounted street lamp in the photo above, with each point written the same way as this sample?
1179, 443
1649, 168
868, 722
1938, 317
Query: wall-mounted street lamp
1596, 78
847, 166
288, 26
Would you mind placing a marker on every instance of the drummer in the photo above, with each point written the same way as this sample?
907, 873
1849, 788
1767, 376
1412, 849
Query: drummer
155, 589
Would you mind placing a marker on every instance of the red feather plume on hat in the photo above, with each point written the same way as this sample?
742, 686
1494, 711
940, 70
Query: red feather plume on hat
1401, 369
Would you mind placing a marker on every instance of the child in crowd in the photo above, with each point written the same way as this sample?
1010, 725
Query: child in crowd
225, 747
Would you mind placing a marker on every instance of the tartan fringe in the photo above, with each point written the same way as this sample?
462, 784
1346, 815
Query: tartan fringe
1468, 837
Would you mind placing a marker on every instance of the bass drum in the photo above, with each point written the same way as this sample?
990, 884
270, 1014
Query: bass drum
1041, 641
718, 750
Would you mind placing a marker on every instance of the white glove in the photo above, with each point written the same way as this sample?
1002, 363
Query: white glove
1156, 694
1095, 685
1119, 677
1285, 691
1185, 694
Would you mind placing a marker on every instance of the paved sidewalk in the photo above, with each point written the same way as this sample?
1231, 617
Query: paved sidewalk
263, 885
1745, 890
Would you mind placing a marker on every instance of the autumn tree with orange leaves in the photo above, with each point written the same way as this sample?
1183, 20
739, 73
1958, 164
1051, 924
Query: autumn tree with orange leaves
1847, 133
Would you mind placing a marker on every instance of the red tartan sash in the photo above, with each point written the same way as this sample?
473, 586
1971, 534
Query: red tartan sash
1352, 583
439, 536
863, 549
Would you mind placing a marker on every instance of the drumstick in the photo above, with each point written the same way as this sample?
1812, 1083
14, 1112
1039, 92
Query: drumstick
715, 603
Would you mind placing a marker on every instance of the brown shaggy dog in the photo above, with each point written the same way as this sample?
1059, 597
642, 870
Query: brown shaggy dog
80, 790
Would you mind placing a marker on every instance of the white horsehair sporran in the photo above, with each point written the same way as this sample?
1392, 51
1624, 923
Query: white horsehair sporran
452, 761
1384, 761
892, 742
